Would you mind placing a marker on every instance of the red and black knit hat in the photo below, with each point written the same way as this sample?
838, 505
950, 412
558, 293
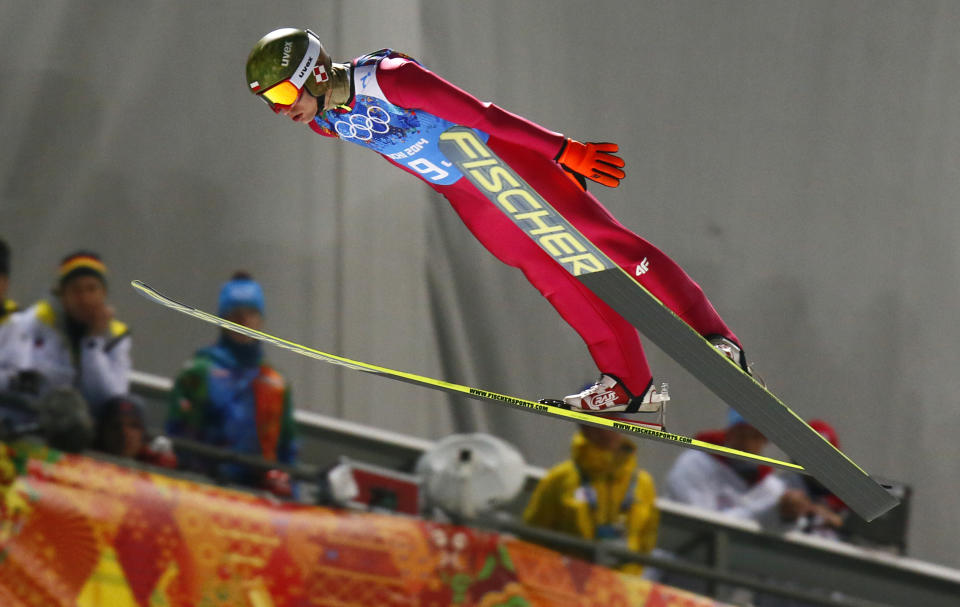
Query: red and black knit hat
81, 263
826, 431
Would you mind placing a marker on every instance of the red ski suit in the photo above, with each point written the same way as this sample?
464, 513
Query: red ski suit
397, 107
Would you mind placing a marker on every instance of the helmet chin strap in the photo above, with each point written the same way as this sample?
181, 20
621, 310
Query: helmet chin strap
320, 103
338, 92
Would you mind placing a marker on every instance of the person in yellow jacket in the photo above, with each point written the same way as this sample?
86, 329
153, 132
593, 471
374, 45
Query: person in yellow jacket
599, 493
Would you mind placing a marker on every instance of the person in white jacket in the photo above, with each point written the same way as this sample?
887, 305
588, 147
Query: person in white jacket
737, 488
71, 340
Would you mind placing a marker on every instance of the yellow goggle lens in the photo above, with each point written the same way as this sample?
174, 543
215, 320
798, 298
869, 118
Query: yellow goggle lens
282, 94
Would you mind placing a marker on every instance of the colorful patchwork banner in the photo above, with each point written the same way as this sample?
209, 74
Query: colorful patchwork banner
75, 531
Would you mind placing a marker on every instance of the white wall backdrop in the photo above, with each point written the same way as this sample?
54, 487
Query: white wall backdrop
801, 160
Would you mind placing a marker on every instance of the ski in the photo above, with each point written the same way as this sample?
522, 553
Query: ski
622, 292
474, 393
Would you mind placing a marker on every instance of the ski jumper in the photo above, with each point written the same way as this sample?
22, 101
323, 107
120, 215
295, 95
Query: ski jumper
398, 108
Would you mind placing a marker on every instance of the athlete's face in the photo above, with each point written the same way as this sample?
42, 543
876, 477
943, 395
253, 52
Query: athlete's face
303, 110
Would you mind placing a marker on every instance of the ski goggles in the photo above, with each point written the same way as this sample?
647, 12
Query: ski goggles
284, 94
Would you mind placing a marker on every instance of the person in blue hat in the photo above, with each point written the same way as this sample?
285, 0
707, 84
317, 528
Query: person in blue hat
229, 396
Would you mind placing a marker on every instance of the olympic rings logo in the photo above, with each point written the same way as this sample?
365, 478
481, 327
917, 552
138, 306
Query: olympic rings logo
364, 127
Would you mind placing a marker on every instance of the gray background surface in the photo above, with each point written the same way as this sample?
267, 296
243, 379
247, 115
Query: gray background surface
800, 160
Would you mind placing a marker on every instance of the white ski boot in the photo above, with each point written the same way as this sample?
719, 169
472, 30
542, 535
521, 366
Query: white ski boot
610, 398
731, 351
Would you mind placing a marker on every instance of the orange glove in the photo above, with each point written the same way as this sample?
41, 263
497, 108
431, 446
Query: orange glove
595, 161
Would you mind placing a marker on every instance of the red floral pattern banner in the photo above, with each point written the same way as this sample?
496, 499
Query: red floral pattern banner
75, 531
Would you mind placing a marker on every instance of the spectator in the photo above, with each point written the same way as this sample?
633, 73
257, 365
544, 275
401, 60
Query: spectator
599, 493
121, 431
228, 396
72, 340
733, 487
7, 306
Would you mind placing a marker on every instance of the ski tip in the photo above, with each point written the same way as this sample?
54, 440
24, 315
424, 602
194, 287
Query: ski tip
144, 289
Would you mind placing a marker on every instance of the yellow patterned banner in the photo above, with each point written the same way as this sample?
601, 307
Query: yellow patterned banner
75, 531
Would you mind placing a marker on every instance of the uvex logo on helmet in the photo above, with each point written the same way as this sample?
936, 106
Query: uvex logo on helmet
285, 60
306, 66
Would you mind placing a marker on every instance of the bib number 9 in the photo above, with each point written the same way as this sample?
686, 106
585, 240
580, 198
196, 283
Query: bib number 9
428, 169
